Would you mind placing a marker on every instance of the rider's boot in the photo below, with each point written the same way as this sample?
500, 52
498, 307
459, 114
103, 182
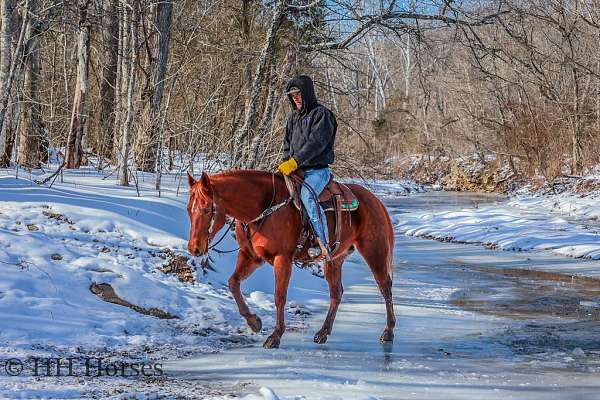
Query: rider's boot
321, 252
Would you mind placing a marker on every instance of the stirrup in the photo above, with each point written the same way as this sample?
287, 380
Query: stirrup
314, 252
317, 254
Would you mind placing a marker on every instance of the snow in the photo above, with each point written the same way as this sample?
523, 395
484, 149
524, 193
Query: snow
564, 224
55, 242
48, 300
388, 188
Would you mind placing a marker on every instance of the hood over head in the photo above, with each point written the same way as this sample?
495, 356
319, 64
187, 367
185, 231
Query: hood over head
305, 84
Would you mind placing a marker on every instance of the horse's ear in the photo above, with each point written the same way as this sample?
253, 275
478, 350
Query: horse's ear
191, 180
205, 184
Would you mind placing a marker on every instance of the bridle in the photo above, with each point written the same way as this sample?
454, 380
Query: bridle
245, 225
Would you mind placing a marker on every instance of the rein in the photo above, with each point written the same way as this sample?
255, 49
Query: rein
261, 217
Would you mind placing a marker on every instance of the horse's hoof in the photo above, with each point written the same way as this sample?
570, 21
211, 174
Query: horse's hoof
254, 322
272, 342
320, 337
387, 336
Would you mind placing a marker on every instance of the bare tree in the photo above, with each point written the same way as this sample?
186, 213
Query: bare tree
79, 117
32, 130
108, 83
131, 29
257, 84
8, 70
147, 141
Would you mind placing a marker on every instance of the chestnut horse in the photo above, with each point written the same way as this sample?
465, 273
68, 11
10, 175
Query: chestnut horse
244, 195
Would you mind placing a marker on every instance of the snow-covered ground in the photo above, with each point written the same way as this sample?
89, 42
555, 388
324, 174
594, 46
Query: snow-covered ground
56, 242
459, 331
469, 327
388, 187
567, 224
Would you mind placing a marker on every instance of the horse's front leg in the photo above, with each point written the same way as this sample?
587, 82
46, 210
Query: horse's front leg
245, 266
282, 267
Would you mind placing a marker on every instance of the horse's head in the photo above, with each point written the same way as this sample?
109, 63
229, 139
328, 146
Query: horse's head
205, 217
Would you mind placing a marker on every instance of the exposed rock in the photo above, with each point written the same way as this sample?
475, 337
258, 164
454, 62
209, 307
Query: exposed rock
470, 174
477, 176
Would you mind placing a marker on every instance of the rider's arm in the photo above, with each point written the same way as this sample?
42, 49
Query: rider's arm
286, 141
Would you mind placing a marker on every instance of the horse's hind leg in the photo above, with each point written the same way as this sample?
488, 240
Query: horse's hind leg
379, 260
245, 266
333, 275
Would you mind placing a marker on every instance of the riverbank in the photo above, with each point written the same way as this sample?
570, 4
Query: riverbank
467, 328
565, 224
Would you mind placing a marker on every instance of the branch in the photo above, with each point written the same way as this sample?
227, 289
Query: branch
370, 21
303, 8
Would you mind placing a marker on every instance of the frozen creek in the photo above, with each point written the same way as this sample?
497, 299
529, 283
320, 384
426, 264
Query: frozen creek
469, 326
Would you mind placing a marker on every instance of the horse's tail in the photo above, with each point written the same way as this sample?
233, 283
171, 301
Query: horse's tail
390, 229
376, 219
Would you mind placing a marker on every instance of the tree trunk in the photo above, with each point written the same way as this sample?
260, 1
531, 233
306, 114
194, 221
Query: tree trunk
247, 58
108, 106
147, 146
32, 130
6, 33
8, 64
79, 115
130, 70
121, 83
272, 103
259, 77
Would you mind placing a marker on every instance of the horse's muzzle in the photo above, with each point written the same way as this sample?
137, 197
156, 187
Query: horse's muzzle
197, 250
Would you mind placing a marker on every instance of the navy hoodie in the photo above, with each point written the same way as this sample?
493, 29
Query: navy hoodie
310, 131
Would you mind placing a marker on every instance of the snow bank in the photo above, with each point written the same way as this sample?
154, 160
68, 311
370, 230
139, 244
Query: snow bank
55, 242
381, 187
565, 224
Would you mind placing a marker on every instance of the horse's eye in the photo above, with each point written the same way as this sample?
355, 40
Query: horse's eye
206, 210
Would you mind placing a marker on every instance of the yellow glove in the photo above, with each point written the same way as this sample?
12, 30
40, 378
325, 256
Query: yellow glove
289, 166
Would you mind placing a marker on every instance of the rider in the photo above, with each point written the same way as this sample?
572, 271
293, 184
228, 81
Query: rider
308, 144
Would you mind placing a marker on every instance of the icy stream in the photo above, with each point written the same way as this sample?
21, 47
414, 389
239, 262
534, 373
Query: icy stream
469, 327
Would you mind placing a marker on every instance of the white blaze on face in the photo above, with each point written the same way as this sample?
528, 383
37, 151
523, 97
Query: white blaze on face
213, 210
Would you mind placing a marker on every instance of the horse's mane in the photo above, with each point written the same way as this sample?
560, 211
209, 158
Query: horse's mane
248, 174
260, 180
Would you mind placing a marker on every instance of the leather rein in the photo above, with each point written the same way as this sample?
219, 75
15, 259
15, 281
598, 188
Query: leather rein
261, 217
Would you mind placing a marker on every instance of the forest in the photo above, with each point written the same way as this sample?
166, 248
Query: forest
130, 85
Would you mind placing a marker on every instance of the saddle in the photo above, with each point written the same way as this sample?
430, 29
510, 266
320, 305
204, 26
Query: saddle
336, 198
335, 191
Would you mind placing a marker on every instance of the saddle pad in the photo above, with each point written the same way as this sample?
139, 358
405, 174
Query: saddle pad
328, 205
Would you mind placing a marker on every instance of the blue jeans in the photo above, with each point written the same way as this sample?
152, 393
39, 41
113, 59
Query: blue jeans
317, 179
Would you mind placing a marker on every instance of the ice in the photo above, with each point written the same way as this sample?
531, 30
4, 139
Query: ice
463, 331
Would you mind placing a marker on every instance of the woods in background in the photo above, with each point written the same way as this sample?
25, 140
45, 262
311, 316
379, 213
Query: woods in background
134, 83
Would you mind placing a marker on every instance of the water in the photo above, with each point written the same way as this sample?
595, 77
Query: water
469, 326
